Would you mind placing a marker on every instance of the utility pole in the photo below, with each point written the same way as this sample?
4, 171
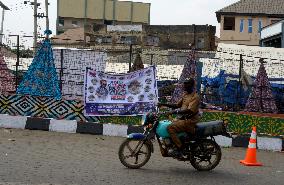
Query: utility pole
2, 22
36, 5
46, 14
35, 24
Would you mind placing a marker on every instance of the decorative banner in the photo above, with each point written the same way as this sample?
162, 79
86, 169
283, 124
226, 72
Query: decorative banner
71, 64
189, 71
261, 99
7, 82
41, 77
122, 94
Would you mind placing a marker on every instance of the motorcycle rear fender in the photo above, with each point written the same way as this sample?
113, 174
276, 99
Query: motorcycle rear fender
139, 136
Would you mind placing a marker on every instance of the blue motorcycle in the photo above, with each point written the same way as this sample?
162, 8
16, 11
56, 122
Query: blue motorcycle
201, 149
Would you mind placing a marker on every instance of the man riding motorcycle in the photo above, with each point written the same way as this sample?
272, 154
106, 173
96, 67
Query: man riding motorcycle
187, 110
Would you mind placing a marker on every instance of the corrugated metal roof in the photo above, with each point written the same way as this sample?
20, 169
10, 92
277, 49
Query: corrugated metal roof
254, 7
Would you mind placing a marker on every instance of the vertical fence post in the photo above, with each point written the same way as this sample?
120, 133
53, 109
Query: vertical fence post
61, 69
18, 61
239, 88
130, 55
152, 58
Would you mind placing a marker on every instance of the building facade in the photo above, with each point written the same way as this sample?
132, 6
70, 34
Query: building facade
241, 22
201, 37
79, 13
273, 35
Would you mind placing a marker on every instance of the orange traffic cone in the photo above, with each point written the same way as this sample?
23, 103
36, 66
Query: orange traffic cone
250, 159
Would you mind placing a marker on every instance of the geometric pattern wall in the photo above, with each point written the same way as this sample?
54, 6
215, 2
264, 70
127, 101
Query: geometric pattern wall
44, 107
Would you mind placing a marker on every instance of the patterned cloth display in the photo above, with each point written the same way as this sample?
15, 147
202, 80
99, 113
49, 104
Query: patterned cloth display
189, 71
121, 94
261, 98
43, 107
41, 77
138, 64
7, 79
71, 64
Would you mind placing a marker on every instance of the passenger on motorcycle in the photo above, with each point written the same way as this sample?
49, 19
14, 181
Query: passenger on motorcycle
187, 110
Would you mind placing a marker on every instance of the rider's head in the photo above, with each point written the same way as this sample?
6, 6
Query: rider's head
188, 85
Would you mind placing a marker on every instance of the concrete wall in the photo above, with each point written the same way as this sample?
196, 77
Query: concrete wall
244, 38
95, 9
123, 11
120, 11
164, 36
71, 8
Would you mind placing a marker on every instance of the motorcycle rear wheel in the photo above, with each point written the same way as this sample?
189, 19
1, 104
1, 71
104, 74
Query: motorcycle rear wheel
202, 153
130, 158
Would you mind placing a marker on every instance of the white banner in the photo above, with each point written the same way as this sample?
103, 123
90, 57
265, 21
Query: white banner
123, 94
124, 28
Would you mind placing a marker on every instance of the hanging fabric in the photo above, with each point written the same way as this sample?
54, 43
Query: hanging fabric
261, 98
41, 78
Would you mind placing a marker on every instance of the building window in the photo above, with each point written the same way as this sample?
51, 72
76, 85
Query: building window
152, 41
229, 23
127, 40
108, 22
250, 25
75, 23
200, 43
259, 26
60, 32
61, 22
273, 21
242, 25
107, 40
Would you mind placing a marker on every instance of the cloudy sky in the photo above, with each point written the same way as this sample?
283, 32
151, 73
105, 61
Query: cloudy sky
19, 20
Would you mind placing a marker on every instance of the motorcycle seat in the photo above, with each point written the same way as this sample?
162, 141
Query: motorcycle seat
206, 124
211, 128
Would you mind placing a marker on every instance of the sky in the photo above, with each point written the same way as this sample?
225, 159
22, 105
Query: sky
19, 20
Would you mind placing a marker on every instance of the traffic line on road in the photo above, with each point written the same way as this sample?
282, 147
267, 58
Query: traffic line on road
23, 122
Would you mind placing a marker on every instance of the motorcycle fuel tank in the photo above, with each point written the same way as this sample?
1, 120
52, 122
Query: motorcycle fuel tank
162, 129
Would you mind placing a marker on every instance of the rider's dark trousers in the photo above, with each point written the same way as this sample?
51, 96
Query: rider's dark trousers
181, 126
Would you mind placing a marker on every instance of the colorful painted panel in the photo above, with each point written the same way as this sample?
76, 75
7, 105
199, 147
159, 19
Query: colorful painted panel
242, 123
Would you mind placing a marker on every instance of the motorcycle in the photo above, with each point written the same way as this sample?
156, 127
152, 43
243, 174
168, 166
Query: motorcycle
201, 149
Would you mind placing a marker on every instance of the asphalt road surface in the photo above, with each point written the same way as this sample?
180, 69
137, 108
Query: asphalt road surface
45, 158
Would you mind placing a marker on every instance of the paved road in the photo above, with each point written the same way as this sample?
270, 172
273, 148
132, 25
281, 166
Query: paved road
37, 157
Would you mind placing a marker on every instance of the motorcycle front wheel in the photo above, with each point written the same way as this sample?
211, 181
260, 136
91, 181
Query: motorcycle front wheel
134, 153
205, 155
